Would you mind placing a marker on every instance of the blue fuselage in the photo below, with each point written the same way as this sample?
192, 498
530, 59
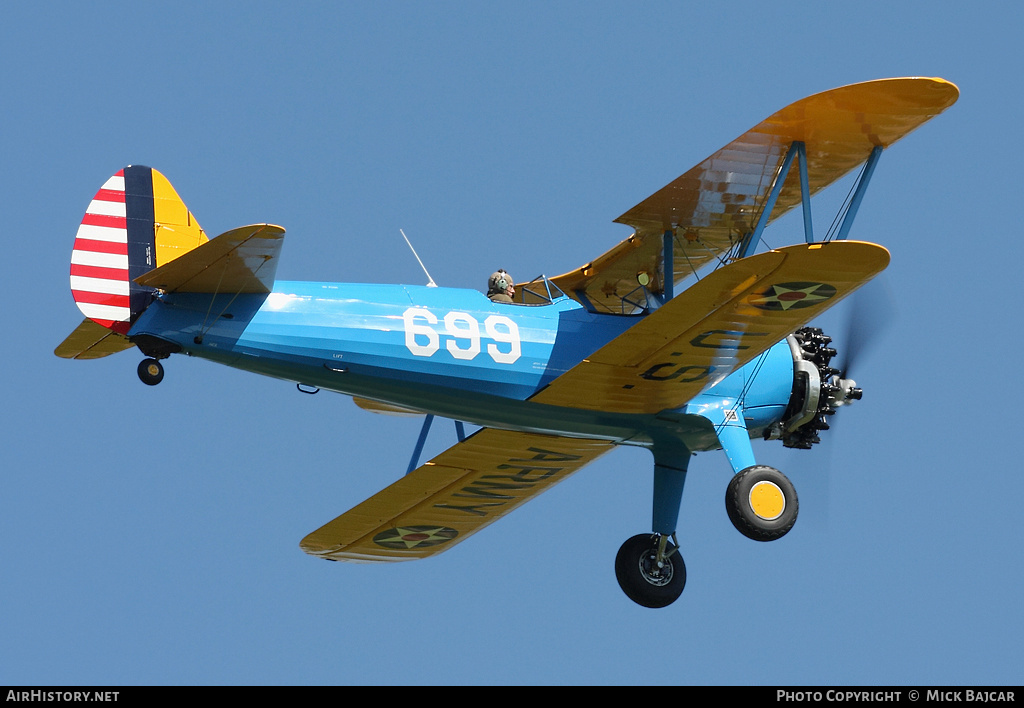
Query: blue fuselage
446, 351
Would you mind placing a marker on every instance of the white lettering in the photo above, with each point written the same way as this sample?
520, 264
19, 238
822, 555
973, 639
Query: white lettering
986, 696
470, 331
463, 332
510, 336
36, 695
809, 696
840, 696
412, 330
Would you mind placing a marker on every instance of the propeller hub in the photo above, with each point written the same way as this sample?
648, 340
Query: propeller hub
846, 393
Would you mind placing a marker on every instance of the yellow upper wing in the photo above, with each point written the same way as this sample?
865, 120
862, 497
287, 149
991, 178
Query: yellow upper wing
717, 325
243, 260
465, 488
712, 206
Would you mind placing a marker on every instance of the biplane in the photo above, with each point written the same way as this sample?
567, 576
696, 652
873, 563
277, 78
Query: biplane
680, 339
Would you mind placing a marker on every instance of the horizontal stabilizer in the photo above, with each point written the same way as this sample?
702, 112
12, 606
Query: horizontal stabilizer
92, 341
465, 488
243, 260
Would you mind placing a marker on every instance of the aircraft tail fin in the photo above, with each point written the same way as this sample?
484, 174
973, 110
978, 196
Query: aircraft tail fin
135, 223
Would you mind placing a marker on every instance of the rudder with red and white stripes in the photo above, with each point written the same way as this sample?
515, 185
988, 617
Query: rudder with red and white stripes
100, 280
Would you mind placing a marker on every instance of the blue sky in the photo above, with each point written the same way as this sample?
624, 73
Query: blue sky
150, 535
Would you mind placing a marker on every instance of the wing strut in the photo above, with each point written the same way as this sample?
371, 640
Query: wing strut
805, 191
414, 462
751, 240
858, 196
798, 150
669, 263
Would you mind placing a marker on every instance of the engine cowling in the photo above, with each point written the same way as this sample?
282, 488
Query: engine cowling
818, 390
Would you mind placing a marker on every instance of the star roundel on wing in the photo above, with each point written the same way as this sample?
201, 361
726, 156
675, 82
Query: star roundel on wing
414, 536
787, 296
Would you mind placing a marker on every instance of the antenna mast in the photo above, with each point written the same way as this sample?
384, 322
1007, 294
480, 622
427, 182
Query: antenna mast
431, 284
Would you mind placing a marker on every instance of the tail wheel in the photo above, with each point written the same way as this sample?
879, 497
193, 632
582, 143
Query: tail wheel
644, 580
151, 372
761, 503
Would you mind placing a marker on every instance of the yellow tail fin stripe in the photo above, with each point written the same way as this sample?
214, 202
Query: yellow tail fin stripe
177, 231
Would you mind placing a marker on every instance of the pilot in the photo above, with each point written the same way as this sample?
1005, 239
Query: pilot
500, 287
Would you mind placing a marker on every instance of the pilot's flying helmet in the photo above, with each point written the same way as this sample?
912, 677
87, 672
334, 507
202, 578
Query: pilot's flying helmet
499, 282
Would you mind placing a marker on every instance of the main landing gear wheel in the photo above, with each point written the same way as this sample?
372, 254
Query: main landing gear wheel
642, 578
761, 503
151, 372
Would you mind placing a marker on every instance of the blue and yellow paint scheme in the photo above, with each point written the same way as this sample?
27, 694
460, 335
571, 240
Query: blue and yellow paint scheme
603, 356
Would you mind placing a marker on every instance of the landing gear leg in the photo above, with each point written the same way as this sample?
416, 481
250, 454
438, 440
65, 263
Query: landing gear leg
649, 567
151, 372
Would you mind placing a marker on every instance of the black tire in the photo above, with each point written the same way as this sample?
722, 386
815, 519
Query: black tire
151, 372
643, 583
773, 496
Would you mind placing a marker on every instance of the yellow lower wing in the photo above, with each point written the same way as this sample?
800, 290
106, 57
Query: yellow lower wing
714, 327
465, 488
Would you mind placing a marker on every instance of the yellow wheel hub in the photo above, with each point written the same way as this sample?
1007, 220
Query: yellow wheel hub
153, 369
767, 500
